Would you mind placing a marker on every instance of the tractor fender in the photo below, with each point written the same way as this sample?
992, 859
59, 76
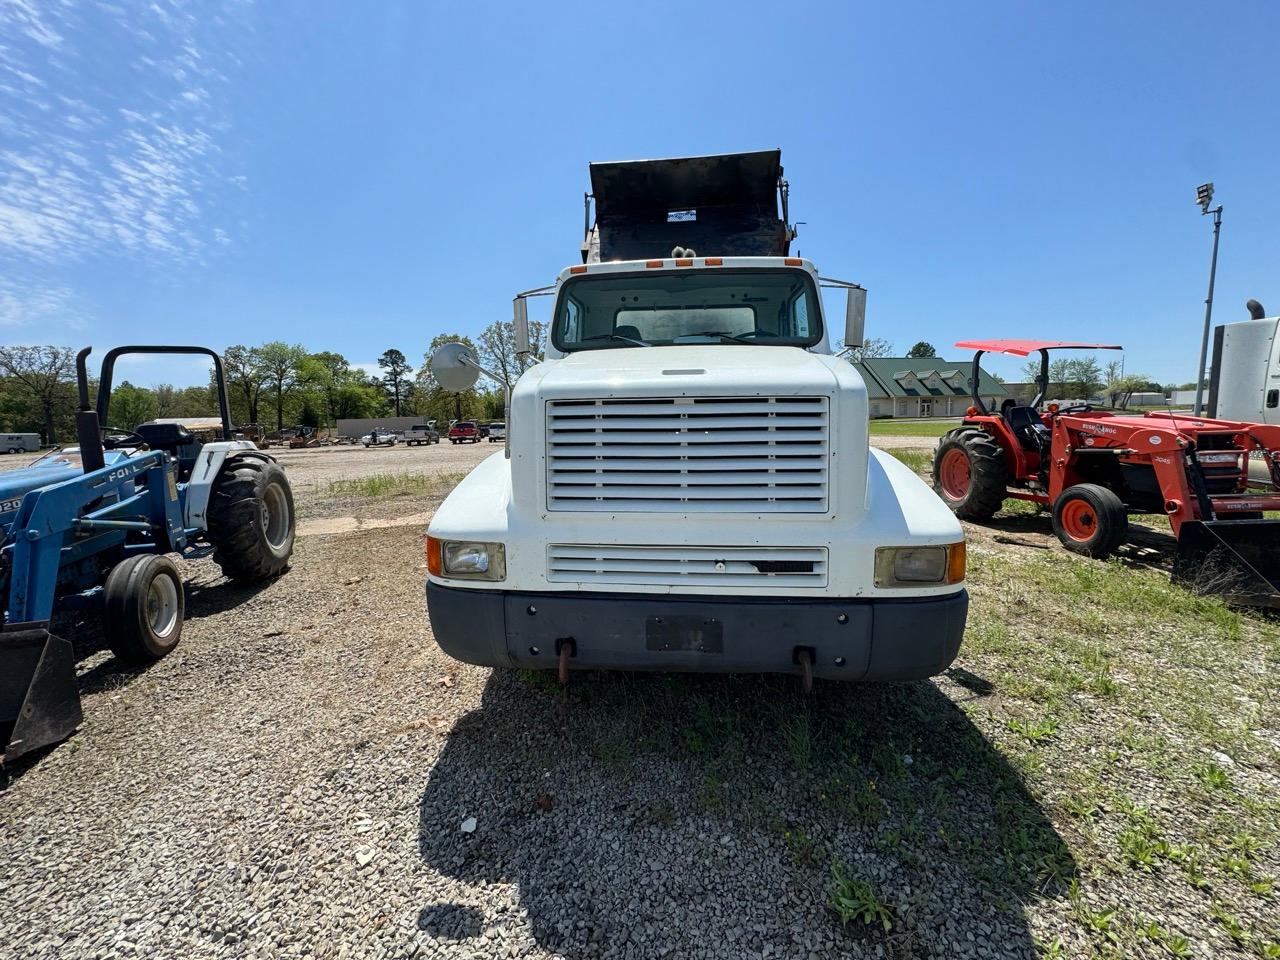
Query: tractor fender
205, 472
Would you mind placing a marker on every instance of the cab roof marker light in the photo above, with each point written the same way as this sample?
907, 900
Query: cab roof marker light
713, 262
581, 269
684, 263
653, 263
793, 262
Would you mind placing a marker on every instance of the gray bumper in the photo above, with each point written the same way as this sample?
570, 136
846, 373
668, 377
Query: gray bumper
859, 639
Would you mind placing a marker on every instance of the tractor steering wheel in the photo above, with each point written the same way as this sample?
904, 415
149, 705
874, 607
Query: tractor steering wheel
121, 438
1078, 408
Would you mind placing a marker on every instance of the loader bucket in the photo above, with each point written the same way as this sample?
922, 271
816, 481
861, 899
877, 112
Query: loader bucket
39, 699
1237, 559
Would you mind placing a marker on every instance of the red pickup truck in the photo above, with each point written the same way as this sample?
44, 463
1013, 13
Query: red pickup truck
464, 430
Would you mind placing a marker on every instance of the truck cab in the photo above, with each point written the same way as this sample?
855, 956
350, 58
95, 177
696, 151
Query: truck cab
687, 482
1245, 383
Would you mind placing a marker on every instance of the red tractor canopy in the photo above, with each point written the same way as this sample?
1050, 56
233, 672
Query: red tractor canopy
1023, 348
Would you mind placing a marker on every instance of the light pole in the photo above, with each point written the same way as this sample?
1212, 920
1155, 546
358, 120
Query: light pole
1204, 197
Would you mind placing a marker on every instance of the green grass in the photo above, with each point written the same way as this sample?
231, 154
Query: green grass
912, 428
387, 485
921, 461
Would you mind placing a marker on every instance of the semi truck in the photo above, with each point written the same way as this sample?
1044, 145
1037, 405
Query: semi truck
1244, 379
1245, 382
686, 482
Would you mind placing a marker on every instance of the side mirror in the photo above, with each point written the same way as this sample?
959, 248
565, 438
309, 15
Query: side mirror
454, 368
520, 306
855, 316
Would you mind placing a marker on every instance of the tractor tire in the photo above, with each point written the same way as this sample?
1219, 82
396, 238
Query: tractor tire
251, 519
143, 608
969, 474
1090, 520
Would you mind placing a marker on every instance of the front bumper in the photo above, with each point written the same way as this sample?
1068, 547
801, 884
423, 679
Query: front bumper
853, 639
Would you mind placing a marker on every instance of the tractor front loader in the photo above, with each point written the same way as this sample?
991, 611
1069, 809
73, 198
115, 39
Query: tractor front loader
1093, 468
94, 525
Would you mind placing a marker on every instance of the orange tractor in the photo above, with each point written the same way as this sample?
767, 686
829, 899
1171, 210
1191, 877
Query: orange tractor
1092, 468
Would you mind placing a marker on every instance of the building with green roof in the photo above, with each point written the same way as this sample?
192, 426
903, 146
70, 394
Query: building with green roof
924, 386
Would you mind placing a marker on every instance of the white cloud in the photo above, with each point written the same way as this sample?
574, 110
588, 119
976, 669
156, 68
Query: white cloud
91, 170
28, 310
26, 19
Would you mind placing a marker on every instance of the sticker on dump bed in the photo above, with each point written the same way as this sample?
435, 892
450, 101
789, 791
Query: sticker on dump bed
8, 506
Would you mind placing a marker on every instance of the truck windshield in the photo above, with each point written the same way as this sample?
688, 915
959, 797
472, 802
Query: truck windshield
773, 307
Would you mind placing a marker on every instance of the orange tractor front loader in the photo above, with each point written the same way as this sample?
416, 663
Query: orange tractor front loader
1092, 468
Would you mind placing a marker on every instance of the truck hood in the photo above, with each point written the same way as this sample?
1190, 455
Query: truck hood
702, 369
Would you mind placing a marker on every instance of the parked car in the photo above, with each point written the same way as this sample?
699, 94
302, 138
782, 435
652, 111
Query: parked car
421, 433
497, 432
464, 431
380, 438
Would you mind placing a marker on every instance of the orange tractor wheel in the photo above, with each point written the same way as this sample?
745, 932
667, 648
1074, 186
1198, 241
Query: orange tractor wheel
1090, 519
969, 474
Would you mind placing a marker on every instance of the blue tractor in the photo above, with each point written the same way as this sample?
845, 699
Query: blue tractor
98, 524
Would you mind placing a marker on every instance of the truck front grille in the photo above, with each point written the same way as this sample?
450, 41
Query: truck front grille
687, 454
688, 566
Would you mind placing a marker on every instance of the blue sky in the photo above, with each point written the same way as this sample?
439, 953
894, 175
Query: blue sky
362, 176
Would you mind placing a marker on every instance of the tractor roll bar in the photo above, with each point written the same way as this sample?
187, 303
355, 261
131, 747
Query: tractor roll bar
108, 366
975, 385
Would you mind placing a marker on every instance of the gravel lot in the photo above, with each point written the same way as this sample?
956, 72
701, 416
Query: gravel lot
296, 779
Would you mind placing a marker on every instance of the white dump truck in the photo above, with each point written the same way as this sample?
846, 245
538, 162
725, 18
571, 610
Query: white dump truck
686, 482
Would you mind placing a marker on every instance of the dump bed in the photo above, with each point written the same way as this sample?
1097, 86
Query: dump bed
724, 205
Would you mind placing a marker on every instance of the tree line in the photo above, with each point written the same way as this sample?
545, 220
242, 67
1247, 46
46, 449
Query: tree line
274, 384
278, 384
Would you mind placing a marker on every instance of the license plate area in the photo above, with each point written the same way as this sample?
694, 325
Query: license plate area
684, 633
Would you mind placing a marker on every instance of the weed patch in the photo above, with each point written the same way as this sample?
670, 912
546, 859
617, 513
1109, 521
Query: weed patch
386, 485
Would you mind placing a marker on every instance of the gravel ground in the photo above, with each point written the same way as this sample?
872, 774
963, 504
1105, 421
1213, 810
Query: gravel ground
299, 776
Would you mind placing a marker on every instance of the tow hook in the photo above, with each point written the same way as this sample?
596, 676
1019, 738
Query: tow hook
804, 657
566, 647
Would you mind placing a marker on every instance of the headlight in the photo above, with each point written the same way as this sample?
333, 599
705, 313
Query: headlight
468, 559
920, 566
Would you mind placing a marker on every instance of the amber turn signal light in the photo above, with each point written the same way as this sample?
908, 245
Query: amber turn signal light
435, 557
956, 563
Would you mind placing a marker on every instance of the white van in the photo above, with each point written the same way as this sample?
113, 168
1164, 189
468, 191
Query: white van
19, 442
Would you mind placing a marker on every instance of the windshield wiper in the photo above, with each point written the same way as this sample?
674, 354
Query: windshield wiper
616, 336
736, 338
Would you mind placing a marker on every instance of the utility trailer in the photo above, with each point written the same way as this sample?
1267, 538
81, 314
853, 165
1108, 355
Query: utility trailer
1092, 469
686, 482
93, 526
19, 442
